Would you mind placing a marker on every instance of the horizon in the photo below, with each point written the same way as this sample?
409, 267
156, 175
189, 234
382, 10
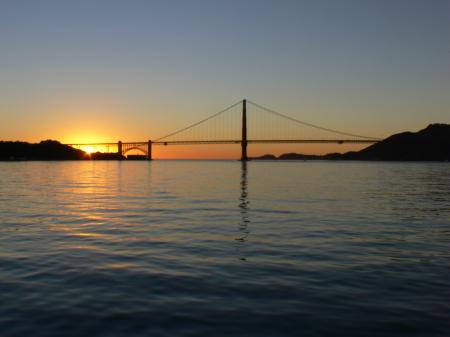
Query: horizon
92, 148
428, 145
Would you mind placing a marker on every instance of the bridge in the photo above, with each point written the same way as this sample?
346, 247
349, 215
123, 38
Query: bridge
225, 130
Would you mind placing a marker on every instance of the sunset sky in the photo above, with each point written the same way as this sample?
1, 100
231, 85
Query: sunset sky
100, 71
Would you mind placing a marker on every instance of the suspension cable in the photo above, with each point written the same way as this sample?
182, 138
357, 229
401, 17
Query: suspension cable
198, 123
309, 124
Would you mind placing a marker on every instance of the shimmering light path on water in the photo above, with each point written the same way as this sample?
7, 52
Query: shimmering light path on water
217, 249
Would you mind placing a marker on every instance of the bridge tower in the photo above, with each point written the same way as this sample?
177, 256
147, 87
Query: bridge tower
244, 131
149, 150
119, 149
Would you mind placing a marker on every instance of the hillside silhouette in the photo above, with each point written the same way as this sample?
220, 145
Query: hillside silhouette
429, 144
45, 150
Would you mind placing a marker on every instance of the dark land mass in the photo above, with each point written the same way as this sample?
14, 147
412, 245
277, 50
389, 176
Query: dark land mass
49, 150
45, 150
137, 157
106, 156
429, 144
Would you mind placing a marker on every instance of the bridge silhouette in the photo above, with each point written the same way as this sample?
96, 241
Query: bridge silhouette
221, 128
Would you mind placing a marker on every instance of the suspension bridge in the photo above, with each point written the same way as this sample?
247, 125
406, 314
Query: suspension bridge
234, 125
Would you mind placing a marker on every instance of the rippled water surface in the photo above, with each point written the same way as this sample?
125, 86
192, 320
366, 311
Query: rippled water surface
202, 248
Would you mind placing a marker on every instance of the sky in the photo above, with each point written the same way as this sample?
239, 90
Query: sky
100, 71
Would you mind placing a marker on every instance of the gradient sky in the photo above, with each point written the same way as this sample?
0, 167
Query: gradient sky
81, 71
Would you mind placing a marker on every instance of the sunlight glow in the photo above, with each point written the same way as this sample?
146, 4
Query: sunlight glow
87, 149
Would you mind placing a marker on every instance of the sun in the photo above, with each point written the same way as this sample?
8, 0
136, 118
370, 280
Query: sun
88, 149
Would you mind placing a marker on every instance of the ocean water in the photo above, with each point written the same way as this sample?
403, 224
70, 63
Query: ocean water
218, 248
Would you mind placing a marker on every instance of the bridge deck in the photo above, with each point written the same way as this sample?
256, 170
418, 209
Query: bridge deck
250, 141
266, 141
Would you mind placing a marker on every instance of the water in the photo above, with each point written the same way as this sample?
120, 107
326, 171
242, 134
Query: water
200, 248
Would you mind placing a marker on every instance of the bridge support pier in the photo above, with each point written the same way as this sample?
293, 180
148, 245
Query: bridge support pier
119, 149
149, 150
244, 131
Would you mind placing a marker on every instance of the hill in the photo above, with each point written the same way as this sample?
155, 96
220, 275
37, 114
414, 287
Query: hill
45, 150
429, 144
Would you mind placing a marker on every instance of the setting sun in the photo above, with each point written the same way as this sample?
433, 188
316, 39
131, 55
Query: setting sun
87, 149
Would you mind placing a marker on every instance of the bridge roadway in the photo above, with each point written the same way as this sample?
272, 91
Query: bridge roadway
250, 141
266, 141
146, 147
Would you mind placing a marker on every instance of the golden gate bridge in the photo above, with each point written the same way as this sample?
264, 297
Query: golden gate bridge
224, 127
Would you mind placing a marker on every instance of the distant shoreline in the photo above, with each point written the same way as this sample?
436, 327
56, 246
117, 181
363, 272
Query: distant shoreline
429, 144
